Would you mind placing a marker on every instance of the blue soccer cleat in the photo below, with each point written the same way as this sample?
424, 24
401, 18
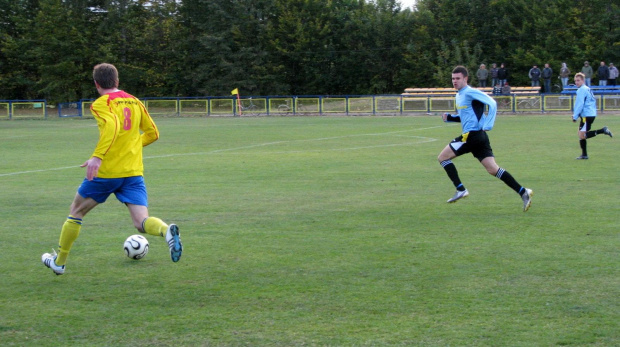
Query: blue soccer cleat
174, 242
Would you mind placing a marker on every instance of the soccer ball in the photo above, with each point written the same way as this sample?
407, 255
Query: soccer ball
136, 246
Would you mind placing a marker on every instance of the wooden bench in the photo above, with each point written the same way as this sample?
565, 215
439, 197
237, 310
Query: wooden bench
451, 91
429, 92
599, 90
525, 90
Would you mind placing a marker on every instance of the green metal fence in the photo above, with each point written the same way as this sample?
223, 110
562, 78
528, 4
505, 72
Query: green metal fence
349, 105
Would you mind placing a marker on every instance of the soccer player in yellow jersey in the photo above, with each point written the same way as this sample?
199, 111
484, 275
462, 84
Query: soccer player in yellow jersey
116, 167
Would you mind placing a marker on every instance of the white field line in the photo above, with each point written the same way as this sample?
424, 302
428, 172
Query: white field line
41, 170
215, 151
29, 135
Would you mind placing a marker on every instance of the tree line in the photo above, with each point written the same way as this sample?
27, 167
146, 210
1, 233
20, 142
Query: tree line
289, 47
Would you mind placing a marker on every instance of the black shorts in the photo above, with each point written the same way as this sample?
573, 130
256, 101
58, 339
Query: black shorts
474, 142
585, 123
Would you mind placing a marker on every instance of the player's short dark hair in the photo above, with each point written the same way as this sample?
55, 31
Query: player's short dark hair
106, 75
461, 69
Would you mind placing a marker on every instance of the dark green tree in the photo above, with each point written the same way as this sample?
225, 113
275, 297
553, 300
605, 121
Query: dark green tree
300, 47
18, 71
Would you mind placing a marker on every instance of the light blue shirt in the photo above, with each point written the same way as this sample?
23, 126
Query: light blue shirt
470, 105
585, 103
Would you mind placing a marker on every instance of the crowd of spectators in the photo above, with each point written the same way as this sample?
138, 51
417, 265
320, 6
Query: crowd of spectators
606, 75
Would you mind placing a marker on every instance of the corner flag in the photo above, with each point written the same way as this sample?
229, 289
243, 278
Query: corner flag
236, 92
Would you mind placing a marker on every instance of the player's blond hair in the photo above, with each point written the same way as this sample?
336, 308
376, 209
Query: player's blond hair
580, 75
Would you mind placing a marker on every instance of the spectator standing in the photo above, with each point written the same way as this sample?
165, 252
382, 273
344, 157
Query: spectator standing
613, 74
534, 75
603, 74
502, 75
483, 75
587, 71
564, 73
547, 73
494, 79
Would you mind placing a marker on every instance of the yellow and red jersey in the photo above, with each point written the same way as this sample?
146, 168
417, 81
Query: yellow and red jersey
125, 126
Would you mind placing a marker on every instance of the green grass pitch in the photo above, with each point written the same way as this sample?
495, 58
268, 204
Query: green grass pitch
318, 231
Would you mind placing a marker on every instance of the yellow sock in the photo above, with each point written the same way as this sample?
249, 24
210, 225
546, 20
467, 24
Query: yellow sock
154, 226
68, 234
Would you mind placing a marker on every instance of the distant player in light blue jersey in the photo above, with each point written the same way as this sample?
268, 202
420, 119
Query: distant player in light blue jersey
585, 110
470, 105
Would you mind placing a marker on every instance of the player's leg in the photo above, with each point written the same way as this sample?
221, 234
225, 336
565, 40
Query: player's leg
133, 194
156, 227
492, 168
445, 159
592, 133
72, 226
145, 224
89, 195
68, 234
484, 153
584, 127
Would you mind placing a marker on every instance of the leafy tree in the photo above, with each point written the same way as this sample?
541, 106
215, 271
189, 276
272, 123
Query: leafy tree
17, 68
143, 37
63, 73
300, 47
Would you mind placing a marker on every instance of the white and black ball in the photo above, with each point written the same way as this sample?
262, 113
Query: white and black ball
136, 246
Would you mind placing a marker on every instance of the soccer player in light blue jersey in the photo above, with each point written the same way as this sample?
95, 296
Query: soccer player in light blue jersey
585, 110
470, 105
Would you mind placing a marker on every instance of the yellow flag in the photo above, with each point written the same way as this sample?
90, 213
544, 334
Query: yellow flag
235, 91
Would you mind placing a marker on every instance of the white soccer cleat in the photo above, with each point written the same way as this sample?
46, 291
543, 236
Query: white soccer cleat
527, 199
458, 195
174, 242
49, 260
